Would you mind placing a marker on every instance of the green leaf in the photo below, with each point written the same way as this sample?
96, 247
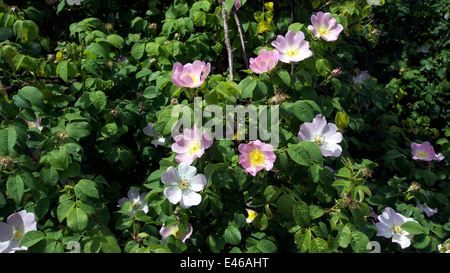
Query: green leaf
79, 129
360, 242
25, 62
412, 227
323, 67
266, 246
126, 208
301, 214
303, 111
32, 94
64, 209
31, 237
137, 51
98, 99
8, 138
49, 175
271, 193
26, 30
59, 160
232, 235
15, 188
110, 245
318, 245
66, 70
87, 187
77, 220
303, 239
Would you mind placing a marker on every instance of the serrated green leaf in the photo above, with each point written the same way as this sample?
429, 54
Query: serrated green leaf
412, 227
77, 220
30, 238
318, 245
87, 187
232, 235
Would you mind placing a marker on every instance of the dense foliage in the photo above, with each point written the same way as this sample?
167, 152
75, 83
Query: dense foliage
93, 76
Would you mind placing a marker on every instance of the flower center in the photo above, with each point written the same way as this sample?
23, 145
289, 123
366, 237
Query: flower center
322, 30
257, 158
18, 234
319, 139
31, 125
176, 232
195, 80
422, 154
183, 184
135, 205
292, 51
397, 228
193, 147
251, 214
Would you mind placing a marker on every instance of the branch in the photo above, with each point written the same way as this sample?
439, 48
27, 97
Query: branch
227, 41
241, 35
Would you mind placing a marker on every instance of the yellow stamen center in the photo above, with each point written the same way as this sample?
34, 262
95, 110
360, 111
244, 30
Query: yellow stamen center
323, 31
319, 139
251, 214
193, 147
257, 158
194, 78
292, 51
31, 125
176, 232
135, 205
397, 228
183, 184
18, 234
422, 154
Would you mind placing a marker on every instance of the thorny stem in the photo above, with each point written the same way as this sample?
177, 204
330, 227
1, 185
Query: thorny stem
227, 41
241, 35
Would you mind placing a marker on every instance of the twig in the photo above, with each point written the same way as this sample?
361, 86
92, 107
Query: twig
227, 41
241, 35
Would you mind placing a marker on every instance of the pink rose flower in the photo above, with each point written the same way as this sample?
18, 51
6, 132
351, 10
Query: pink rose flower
35, 124
292, 47
264, 62
256, 156
184, 183
389, 225
12, 231
173, 230
191, 145
324, 134
324, 26
425, 152
190, 75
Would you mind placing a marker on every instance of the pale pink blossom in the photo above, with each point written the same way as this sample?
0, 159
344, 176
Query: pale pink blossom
256, 156
184, 184
35, 124
361, 78
264, 62
190, 75
175, 232
324, 26
425, 152
292, 47
137, 202
389, 225
157, 138
12, 231
191, 145
251, 215
324, 134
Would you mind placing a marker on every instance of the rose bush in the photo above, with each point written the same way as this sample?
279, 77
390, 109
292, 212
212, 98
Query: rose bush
91, 153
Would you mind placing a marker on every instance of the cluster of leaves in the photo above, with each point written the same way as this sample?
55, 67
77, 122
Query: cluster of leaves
96, 74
